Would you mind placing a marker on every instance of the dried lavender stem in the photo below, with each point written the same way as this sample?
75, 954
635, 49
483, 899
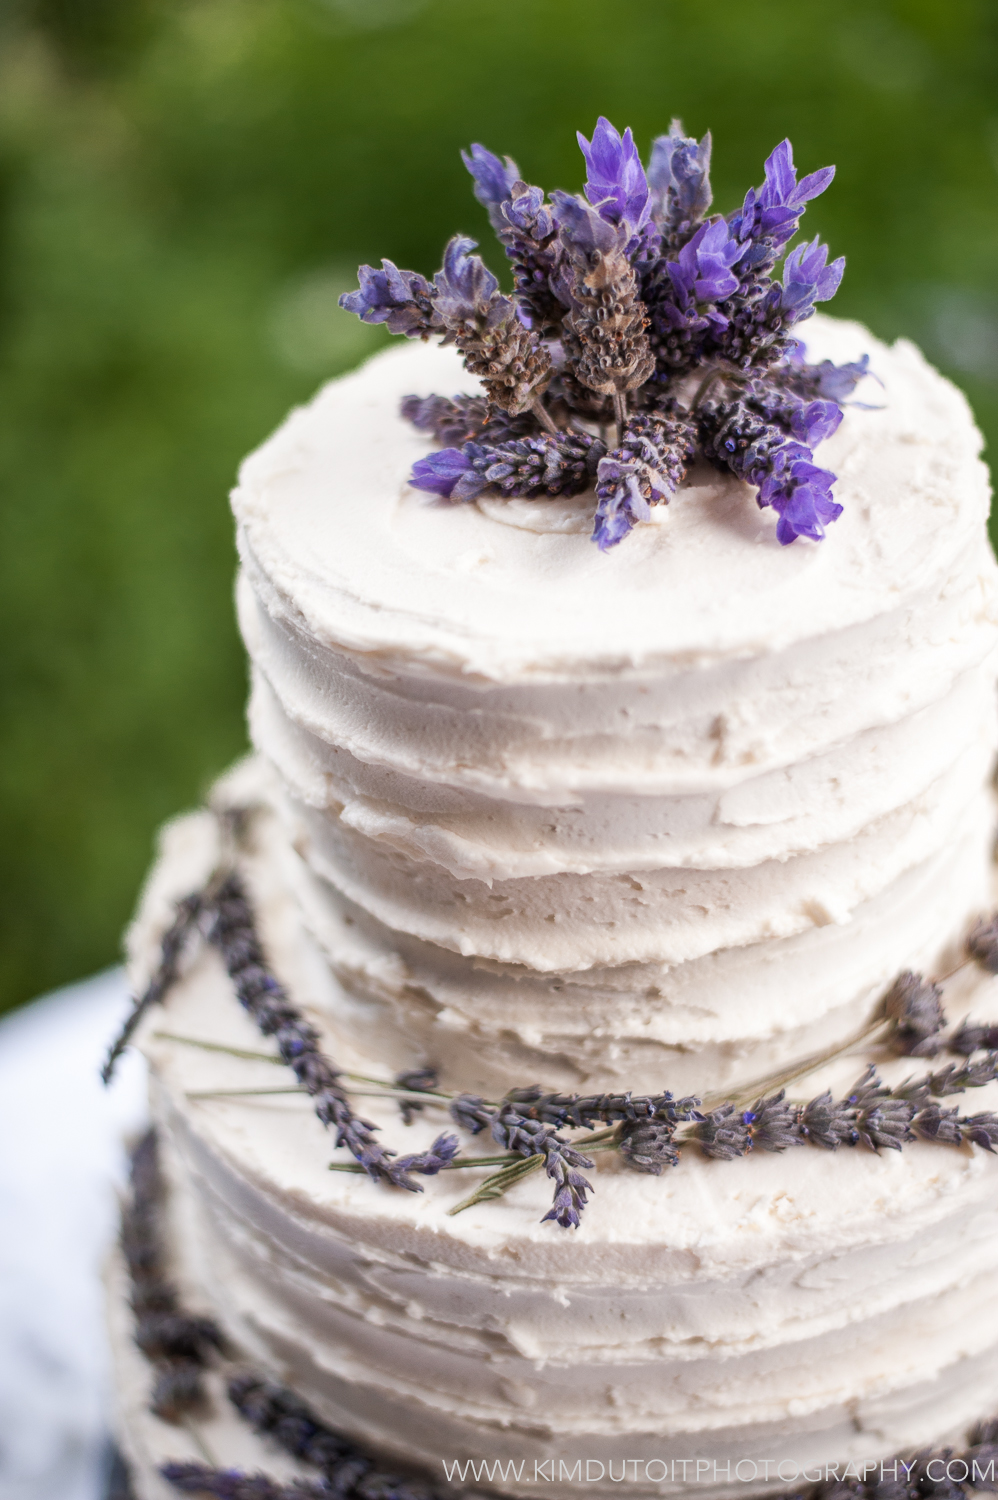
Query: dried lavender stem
193, 1041
171, 947
771, 1081
241, 1093
391, 1094
620, 412
496, 1185
389, 1089
199, 1443
705, 387
543, 415
597, 1143
955, 969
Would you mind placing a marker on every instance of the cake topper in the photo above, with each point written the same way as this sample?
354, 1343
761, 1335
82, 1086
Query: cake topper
640, 331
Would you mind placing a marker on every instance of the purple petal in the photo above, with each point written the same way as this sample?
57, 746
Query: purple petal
781, 179
680, 169
813, 423
494, 178
465, 286
805, 513
439, 472
616, 179
814, 183
582, 227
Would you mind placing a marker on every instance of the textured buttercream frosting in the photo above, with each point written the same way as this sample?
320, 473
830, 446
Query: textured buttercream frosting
667, 817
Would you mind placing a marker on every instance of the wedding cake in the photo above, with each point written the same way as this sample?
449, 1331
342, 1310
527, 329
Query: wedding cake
670, 813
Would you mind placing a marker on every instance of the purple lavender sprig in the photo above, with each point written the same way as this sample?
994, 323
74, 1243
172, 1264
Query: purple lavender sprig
563, 464
871, 1114
172, 945
645, 470
402, 300
525, 228
755, 445
982, 944
527, 1120
513, 367
518, 1133
973, 1036
914, 1004
178, 1344
679, 178
277, 1413
603, 334
575, 1111
233, 933
452, 421
587, 1111
516, 1127
620, 294
236, 1484
826, 380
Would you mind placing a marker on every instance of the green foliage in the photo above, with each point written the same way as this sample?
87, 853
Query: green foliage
184, 190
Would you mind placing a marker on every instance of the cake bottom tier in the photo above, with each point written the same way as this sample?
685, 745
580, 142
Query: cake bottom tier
728, 1328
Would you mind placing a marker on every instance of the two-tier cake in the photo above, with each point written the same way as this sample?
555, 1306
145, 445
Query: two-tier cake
670, 815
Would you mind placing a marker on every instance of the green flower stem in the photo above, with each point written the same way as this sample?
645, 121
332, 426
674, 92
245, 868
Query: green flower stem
499, 1183
771, 1081
390, 1090
193, 1041
241, 1093
603, 1140
393, 1094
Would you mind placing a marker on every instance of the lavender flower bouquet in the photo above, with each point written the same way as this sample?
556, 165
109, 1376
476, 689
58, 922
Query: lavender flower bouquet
630, 307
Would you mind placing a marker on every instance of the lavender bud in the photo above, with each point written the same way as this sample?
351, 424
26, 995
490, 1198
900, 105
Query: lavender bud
416, 1080
827, 1123
178, 1391
981, 1129
513, 366
724, 1133
881, 1120
913, 1003
403, 300
570, 1186
646, 469
647, 1146
773, 1123
453, 422
429, 1163
233, 1484
973, 1036
472, 1113
933, 1123
982, 944
956, 1077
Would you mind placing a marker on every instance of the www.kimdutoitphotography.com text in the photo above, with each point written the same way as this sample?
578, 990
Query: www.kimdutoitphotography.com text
672, 1471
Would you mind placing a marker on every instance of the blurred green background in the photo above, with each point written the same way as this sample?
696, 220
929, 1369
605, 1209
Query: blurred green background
185, 188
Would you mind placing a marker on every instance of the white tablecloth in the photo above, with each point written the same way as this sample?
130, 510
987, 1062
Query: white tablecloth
62, 1161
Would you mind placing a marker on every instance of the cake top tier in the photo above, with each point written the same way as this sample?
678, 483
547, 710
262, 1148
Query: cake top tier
338, 543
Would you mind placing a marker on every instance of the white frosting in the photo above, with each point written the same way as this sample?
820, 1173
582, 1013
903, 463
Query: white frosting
671, 816
806, 1307
569, 813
